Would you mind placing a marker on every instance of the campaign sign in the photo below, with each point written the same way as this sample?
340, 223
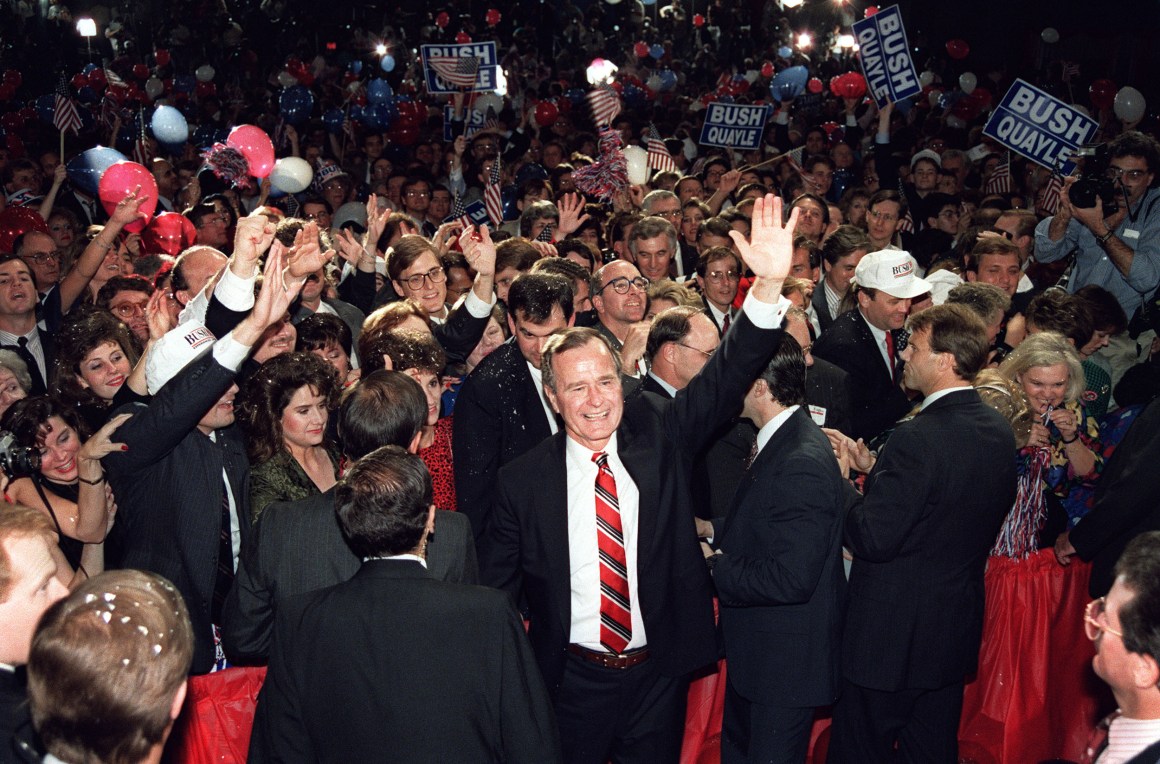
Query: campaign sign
485, 79
477, 211
475, 122
734, 125
1040, 127
885, 55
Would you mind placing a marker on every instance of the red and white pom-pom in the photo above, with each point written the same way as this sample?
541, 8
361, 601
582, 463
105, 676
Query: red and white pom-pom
609, 173
228, 164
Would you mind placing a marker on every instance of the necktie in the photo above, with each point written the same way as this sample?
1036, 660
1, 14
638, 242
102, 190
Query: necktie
890, 354
725, 324
225, 561
38, 384
615, 605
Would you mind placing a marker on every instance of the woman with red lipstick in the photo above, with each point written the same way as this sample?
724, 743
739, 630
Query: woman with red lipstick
283, 410
70, 485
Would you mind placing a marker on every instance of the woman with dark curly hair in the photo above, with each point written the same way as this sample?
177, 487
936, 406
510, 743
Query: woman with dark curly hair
283, 409
95, 358
69, 485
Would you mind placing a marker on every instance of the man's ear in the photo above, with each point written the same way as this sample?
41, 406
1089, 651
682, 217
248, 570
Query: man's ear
550, 394
414, 447
971, 276
1145, 671
178, 700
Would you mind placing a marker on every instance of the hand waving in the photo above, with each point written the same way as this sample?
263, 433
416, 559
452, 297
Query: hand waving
769, 250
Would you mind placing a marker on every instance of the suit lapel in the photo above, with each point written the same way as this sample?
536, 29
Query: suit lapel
640, 460
552, 511
532, 405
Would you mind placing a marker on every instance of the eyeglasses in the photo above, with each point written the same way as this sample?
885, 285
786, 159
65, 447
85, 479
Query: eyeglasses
128, 310
671, 214
718, 277
42, 257
1115, 173
1095, 612
435, 276
706, 353
888, 217
216, 219
418, 193
623, 284
316, 216
1005, 234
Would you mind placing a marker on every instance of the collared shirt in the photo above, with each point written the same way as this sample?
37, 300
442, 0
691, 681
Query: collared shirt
1127, 737
583, 553
33, 347
235, 526
538, 382
672, 391
769, 428
413, 557
942, 393
718, 316
833, 299
880, 341
475, 306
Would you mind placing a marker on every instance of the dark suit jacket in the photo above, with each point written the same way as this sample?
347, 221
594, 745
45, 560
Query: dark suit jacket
48, 345
780, 578
350, 315
498, 417
18, 740
920, 537
878, 401
297, 547
829, 387
821, 307
1127, 501
396, 666
650, 385
528, 537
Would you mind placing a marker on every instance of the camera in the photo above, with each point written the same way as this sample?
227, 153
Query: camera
16, 461
1094, 183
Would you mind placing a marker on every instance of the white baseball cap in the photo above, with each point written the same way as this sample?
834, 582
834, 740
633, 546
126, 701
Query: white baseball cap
891, 271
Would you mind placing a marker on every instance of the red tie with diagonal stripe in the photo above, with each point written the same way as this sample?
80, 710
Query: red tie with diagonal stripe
615, 604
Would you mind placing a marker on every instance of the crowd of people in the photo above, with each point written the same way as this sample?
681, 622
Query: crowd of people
841, 409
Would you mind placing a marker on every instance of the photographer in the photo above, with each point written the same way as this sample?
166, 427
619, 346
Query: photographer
1117, 249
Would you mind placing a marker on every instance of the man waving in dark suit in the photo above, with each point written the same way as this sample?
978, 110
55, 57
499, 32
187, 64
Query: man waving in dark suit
596, 525
778, 573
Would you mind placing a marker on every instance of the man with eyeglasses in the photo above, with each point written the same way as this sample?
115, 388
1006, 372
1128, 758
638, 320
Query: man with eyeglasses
212, 226
1124, 626
1121, 251
718, 276
620, 298
885, 208
317, 209
416, 196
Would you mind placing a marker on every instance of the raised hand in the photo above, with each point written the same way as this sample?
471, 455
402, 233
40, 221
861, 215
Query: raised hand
100, 444
253, 237
306, 256
128, 209
769, 250
479, 251
376, 221
157, 315
572, 215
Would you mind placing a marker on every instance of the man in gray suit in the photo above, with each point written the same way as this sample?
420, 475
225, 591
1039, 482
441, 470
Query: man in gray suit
298, 547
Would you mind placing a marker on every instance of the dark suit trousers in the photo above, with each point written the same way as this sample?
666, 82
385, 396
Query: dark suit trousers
627, 716
924, 723
755, 732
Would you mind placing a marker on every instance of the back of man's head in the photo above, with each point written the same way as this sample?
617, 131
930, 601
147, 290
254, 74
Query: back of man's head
1138, 569
384, 408
106, 677
383, 503
785, 375
671, 325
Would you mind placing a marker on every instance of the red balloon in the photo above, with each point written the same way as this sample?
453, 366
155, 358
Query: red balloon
161, 56
169, 233
17, 221
958, 49
140, 71
13, 77
462, 38
981, 97
255, 146
814, 85
492, 17
12, 120
206, 89
122, 179
698, 20
407, 135
870, 11
7, 92
640, 49
79, 81
442, 20
1102, 93
767, 69
97, 79
15, 144
546, 113
965, 109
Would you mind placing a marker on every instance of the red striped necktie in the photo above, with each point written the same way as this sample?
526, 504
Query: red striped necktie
615, 603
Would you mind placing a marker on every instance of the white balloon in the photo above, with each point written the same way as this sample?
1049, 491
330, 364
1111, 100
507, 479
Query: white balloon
653, 83
154, 87
926, 77
286, 79
486, 100
291, 175
967, 82
612, 2
933, 97
204, 73
1081, 109
751, 76
956, 123
637, 159
1049, 35
1129, 104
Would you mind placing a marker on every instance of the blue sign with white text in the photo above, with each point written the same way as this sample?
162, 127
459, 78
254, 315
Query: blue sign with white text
733, 125
885, 56
1039, 126
477, 211
475, 122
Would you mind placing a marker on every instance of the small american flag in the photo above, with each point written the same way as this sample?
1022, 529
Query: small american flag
906, 225
459, 71
459, 212
492, 198
1070, 70
545, 233
1000, 180
490, 119
113, 78
65, 115
659, 157
1049, 197
605, 105
795, 158
141, 153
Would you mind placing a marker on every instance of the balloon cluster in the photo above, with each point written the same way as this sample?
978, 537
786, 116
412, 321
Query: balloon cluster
848, 85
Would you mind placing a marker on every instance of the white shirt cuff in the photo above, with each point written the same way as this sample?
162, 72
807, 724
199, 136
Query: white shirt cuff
478, 307
781, 117
763, 314
235, 292
229, 352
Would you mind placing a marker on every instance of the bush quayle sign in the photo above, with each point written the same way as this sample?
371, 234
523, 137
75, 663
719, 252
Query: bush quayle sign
734, 125
1042, 128
485, 78
885, 55
477, 211
475, 122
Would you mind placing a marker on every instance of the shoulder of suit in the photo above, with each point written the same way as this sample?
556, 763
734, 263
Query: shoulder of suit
454, 522
533, 460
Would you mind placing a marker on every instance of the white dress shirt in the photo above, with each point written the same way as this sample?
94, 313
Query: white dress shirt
880, 340
538, 381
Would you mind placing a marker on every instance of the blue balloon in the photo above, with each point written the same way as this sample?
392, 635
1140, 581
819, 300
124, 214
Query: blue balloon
46, 107
657, 50
379, 90
789, 83
904, 106
379, 116
88, 95
726, 98
89, 68
186, 83
333, 119
356, 113
356, 67
668, 79
169, 125
945, 101
86, 168
296, 103
575, 95
388, 63
784, 51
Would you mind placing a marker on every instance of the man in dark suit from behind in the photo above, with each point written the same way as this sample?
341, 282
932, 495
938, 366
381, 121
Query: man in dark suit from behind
297, 546
920, 536
828, 397
395, 663
778, 573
